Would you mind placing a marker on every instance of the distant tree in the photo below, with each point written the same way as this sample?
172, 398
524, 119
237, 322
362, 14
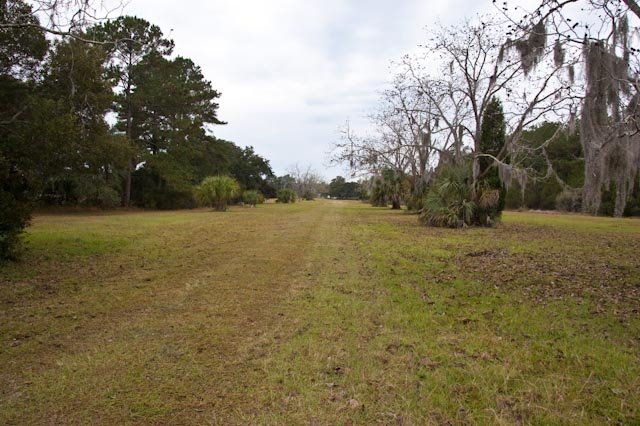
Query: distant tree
97, 158
307, 183
336, 187
217, 191
172, 106
387, 188
378, 195
340, 188
281, 182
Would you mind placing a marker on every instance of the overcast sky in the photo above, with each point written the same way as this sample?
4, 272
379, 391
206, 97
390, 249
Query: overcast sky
291, 72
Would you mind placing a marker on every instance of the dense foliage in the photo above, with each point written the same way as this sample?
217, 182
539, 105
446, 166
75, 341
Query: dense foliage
565, 154
57, 146
561, 190
340, 188
449, 201
22, 50
387, 189
490, 191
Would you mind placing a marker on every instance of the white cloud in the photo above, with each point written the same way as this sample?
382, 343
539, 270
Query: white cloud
291, 72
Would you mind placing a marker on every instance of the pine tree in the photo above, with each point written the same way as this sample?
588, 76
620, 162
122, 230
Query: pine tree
490, 191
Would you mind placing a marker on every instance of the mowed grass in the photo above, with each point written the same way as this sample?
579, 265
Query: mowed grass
321, 313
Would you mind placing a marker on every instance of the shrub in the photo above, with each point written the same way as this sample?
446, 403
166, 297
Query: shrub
448, 202
378, 195
15, 210
415, 196
252, 198
94, 191
451, 201
286, 195
489, 202
216, 191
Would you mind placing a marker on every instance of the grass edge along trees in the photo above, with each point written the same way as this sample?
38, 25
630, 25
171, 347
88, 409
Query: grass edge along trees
534, 64
56, 146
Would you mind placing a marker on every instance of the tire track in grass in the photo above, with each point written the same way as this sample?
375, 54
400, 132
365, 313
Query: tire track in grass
312, 373
175, 350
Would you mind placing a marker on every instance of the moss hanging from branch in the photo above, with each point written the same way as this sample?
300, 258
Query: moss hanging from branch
531, 48
609, 138
558, 54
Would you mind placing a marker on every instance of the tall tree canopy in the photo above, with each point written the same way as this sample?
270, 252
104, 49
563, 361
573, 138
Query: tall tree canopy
130, 41
22, 49
58, 141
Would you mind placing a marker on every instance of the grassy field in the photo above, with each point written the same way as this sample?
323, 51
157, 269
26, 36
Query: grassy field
321, 313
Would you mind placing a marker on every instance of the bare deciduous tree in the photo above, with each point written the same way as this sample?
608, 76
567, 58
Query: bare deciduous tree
601, 35
433, 111
66, 18
308, 183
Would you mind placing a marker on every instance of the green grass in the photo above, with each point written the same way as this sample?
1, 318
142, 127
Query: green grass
321, 313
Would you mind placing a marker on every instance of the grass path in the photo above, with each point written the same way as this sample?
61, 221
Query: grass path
320, 313
153, 328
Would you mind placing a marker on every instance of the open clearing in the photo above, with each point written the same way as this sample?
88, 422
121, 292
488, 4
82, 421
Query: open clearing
321, 313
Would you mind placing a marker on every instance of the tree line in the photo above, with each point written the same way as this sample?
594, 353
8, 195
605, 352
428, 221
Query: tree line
535, 109
105, 116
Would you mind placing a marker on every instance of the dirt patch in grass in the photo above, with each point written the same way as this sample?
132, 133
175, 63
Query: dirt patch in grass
545, 264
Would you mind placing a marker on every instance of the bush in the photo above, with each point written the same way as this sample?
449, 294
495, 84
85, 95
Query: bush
489, 202
451, 202
94, 191
415, 197
448, 202
286, 195
164, 198
79, 189
252, 198
378, 197
15, 211
216, 191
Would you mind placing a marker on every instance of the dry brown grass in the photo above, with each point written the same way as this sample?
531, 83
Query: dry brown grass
152, 328
320, 313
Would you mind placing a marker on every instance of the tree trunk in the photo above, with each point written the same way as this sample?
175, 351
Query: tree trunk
475, 175
395, 202
127, 185
621, 202
126, 199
